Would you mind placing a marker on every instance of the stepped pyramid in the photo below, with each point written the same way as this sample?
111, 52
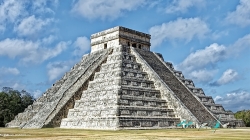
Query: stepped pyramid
121, 84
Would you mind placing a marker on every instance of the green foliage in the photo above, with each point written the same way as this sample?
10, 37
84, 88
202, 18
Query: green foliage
244, 115
12, 102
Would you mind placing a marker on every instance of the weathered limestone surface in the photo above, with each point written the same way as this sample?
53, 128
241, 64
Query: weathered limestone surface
120, 97
47, 107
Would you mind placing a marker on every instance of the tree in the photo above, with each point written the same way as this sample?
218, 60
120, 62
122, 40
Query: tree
244, 115
12, 102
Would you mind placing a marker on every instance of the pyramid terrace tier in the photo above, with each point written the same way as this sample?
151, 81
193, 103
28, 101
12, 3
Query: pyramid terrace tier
116, 123
147, 122
125, 65
197, 91
137, 82
109, 111
206, 99
141, 101
124, 73
187, 82
99, 100
139, 92
178, 74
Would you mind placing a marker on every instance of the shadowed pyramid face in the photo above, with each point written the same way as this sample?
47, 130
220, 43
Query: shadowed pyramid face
121, 84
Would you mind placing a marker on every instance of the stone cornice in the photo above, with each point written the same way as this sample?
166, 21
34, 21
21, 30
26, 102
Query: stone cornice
123, 37
120, 28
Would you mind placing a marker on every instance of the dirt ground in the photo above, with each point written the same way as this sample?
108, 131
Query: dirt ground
163, 134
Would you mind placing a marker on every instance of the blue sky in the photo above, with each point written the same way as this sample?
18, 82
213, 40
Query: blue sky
209, 41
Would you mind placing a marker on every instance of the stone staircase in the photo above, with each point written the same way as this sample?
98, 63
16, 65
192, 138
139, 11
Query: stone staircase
120, 97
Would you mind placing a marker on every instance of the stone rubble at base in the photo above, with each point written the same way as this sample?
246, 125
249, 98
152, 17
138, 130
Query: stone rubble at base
121, 84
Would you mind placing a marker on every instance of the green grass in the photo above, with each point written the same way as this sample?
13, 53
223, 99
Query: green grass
164, 134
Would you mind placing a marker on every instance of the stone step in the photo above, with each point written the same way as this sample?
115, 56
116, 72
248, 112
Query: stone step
124, 102
134, 82
142, 108
178, 74
138, 98
170, 65
141, 93
188, 82
196, 90
139, 89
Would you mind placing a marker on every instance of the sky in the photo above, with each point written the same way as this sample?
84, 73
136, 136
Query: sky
209, 41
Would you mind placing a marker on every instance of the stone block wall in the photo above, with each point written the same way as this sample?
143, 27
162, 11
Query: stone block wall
177, 87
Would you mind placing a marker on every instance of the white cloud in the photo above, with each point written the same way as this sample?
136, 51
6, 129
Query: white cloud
235, 100
29, 51
41, 6
202, 75
14, 11
180, 29
31, 25
82, 45
42, 53
241, 15
104, 9
240, 45
49, 39
184, 5
18, 86
228, 76
214, 53
10, 10
196, 63
37, 93
13, 71
57, 69
202, 58
219, 34
17, 47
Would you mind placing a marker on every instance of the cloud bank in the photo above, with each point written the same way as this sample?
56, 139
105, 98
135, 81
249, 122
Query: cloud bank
104, 9
180, 29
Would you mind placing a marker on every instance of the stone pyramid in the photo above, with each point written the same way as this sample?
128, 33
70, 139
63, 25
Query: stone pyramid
121, 84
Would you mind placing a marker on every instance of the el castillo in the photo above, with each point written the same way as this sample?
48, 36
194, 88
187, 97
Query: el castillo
121, 84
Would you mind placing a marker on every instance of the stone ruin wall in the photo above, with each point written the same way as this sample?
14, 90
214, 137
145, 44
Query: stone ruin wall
119, 36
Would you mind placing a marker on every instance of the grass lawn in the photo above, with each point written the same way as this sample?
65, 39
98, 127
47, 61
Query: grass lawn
166, 134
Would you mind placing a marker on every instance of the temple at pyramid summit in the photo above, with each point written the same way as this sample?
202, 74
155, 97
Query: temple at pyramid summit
121, 84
